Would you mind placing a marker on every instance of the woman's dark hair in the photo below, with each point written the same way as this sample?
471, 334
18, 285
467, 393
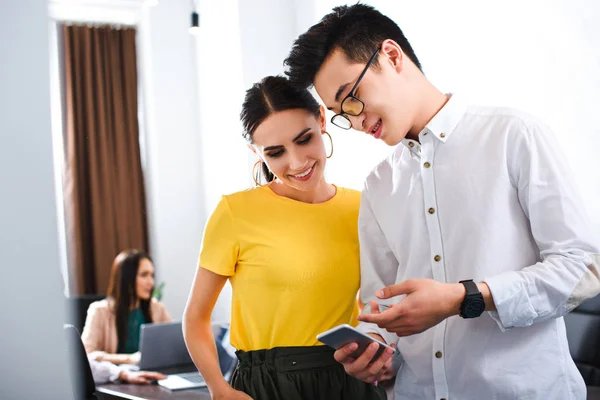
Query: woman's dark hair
122, 289
270, 95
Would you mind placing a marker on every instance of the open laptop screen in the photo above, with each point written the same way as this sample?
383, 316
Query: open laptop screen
162, 347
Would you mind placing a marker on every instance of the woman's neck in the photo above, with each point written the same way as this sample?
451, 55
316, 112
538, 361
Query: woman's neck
323, 192
134, 305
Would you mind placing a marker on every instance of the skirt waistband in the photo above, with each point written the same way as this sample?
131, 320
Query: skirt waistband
284, 359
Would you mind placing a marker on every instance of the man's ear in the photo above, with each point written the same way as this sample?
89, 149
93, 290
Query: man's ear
393, 53
322, 120
253, 149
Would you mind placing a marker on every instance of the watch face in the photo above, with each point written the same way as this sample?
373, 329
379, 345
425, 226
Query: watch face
473, 308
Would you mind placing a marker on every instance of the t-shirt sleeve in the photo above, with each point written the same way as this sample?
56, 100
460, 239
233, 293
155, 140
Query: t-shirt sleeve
220, 246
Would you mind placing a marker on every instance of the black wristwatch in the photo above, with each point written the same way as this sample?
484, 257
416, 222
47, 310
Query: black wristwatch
473, 305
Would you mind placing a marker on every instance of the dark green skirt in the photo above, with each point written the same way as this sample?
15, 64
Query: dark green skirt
298, 373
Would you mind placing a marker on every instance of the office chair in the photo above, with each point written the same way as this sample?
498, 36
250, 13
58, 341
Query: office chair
82, 380
77, 307
583, 334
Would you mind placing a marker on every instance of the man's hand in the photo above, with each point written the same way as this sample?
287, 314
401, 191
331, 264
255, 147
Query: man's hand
427, 303
362, 368
140, 376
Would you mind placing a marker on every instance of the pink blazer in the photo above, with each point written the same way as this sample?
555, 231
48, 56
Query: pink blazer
100, 330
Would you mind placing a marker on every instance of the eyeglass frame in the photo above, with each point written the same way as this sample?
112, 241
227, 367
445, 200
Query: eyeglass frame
344, 114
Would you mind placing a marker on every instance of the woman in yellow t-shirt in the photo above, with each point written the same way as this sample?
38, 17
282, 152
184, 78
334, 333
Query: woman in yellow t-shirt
290, 250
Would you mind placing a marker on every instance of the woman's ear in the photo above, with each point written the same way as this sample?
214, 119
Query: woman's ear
392, 51
322, 120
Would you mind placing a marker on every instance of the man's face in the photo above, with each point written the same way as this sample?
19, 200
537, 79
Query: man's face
388, 113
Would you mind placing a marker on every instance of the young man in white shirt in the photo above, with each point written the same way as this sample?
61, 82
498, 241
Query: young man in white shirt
472, 232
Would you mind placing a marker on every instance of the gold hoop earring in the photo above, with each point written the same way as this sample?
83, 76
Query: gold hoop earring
331, 140
256, 173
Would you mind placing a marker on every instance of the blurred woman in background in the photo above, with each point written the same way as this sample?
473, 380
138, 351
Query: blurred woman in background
112, 327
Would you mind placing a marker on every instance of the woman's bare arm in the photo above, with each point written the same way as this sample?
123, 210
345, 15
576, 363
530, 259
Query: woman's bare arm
197, 328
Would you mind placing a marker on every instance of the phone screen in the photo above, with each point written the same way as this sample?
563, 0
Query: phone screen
345, 334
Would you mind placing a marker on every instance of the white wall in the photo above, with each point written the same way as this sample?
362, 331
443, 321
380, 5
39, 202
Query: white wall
175, 181
32, 342
539, 56
196, 152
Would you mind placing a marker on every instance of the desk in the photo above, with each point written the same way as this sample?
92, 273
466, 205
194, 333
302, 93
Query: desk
593, 393
149, 392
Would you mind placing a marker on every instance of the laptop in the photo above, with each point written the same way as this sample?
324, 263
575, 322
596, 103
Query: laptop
163, 349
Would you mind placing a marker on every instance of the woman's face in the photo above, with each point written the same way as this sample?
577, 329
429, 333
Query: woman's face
290, 143
144, 281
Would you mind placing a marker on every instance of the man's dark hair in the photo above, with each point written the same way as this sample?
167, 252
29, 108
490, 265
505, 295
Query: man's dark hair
356, 30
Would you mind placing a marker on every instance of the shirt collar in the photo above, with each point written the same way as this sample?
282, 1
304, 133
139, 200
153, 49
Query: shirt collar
442, 124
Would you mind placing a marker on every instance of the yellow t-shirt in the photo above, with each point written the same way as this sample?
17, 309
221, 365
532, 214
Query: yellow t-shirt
293, 266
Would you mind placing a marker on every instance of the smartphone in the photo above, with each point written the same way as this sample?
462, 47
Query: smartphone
344, 334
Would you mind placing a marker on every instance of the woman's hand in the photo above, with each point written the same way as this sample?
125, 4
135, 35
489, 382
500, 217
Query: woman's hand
97, 355
134, 358
231, 394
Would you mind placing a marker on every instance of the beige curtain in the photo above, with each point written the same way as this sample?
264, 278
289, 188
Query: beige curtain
105, 201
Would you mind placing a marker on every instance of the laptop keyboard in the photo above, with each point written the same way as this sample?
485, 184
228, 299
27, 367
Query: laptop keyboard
193, 377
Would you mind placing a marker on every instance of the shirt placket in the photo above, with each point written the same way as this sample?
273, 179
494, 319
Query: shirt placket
437, 262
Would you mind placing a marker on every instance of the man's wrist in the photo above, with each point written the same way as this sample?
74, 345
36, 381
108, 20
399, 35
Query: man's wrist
377, 336
458, 293
122, 375
119, 374
487, 296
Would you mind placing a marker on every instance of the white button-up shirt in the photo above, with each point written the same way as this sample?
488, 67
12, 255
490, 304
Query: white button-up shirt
484, 195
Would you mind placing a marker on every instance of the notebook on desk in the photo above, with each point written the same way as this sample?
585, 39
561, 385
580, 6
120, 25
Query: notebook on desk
163, 349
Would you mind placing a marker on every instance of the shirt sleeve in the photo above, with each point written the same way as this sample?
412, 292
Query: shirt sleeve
220, 245
103, 371
568, 272
92, 330
378, 266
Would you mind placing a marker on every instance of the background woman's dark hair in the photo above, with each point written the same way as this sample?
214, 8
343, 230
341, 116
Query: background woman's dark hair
122, 289
270, 95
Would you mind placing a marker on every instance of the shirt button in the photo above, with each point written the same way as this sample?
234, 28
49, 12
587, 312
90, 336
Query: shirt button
442, 135
438, 354
431, 210
437, 258
427, 165
411, 144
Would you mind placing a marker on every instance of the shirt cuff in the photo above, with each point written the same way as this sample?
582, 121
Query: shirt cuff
513, 305
389, 338
113, 372
367, 327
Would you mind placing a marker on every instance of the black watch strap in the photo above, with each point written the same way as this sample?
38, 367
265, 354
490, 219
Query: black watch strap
470, 286
473, 304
